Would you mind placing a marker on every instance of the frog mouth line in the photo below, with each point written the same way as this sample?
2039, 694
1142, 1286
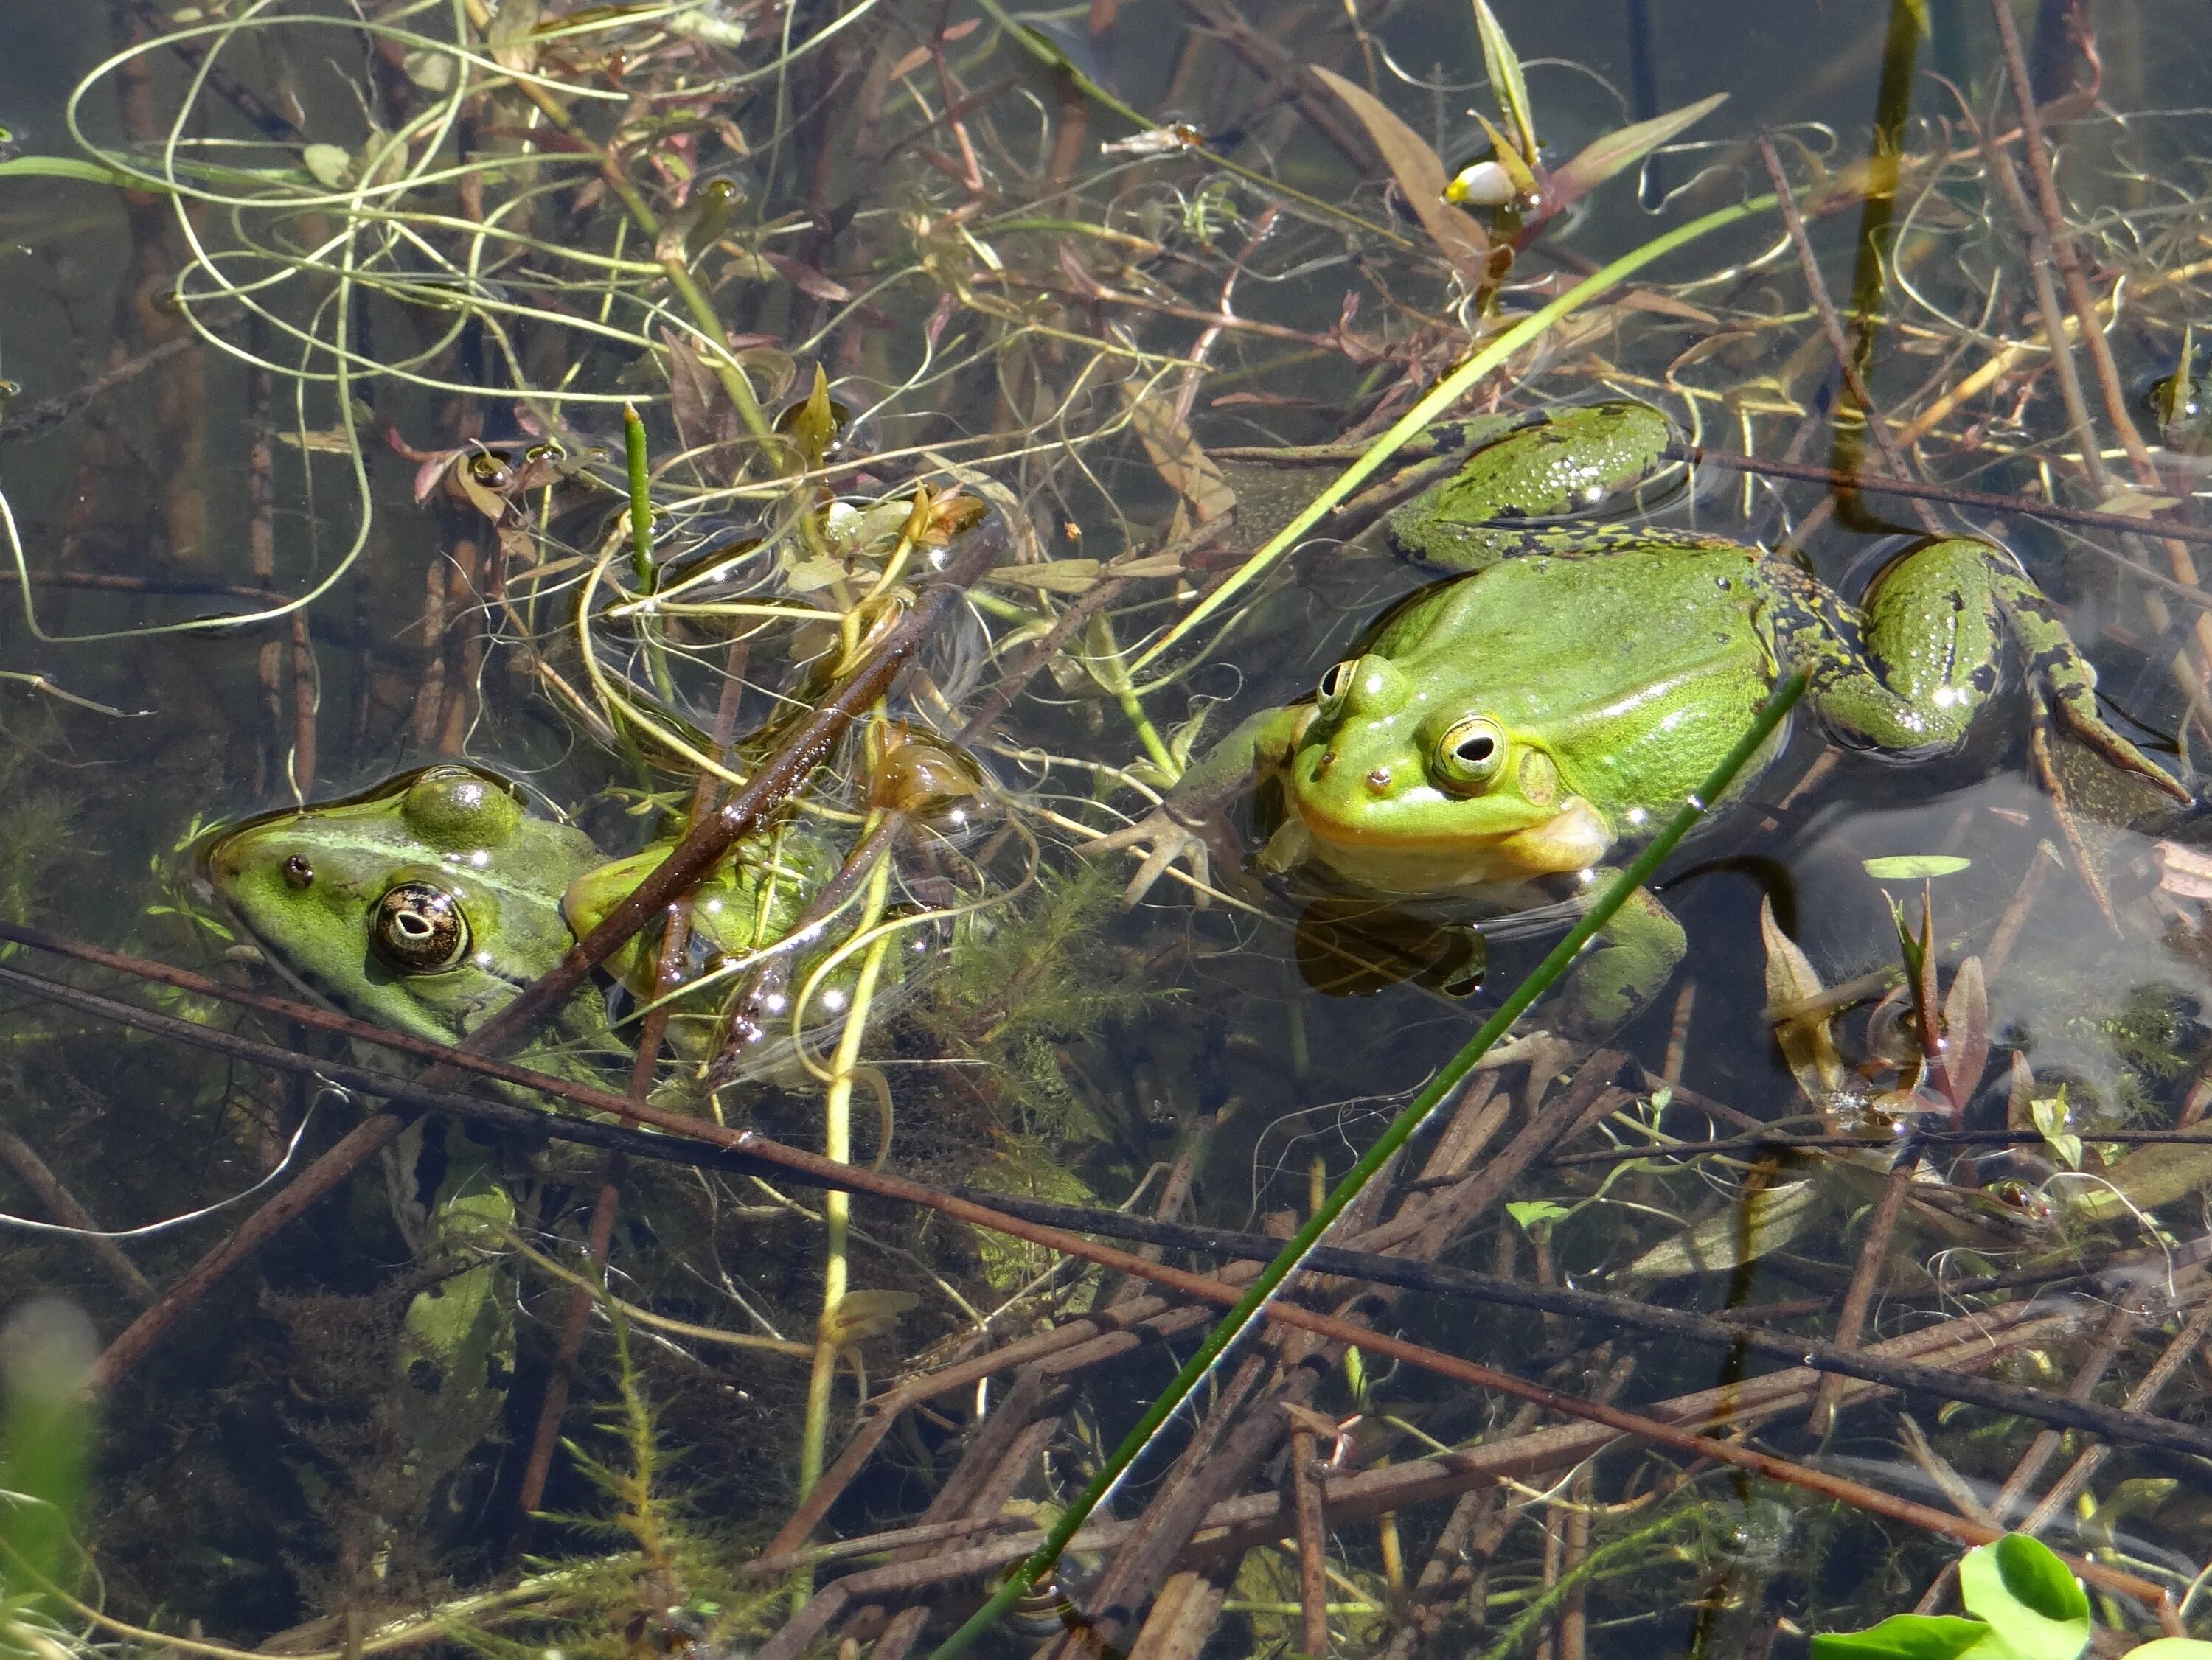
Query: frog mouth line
1572, 839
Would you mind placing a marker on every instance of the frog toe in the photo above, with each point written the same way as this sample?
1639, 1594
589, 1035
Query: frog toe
1622, 971
1164, 840
2085, 723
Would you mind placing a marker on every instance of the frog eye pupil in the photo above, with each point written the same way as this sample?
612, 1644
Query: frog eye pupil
1333, 683
1475, 749
418, 929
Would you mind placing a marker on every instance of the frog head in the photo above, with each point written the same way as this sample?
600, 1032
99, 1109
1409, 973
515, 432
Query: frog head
423, 905
1410, 782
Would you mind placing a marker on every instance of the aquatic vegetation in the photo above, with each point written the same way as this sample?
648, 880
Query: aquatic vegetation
834, 468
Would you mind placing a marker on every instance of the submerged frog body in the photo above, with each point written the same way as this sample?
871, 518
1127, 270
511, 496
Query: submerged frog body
1513, 727
425, 906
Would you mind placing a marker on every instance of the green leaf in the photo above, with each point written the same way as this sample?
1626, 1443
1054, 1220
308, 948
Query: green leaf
1506, 81
2172, 1648
329, 166
1532, 1213
62, 166
2028, 1596
1599, 161
1906, 1637
1915, 867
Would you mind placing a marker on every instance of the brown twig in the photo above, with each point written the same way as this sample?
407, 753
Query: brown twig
1786, 200
1004, 1215
62, 1206
1873, 1252
53, 411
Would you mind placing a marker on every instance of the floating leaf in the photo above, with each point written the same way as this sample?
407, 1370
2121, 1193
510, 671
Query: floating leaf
1915, 867
1417, 170
1904, 1637
1510, 86
1595, 163
2028, 1595
1761, 1223
329, 166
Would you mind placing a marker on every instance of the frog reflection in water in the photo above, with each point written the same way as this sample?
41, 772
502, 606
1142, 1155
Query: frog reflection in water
425, 906
1505, 733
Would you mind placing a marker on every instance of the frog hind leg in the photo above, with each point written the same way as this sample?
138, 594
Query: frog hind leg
1910, 671
457, 1339
2067, 681
1623, 969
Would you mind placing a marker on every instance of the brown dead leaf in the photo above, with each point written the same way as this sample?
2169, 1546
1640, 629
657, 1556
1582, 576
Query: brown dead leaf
1419, 174
1806, 1043
1965, 1032
1650, 299
1183, 467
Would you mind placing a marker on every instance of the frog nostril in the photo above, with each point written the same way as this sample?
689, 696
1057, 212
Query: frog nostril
1379, 779
298, 873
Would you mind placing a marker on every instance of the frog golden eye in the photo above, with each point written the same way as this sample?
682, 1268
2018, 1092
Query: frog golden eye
417, 928
1471, 753
1334, 685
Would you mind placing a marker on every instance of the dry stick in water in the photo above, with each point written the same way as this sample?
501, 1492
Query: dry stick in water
1047, 1225
692, 858
2036, 155
2123, 1426
599, 1237
1833, 326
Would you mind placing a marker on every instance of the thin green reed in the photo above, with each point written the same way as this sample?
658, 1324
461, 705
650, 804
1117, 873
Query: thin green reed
1233, 1325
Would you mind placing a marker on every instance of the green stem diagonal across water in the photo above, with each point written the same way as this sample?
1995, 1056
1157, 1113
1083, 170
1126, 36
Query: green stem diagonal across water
1439, 398
1401, 1129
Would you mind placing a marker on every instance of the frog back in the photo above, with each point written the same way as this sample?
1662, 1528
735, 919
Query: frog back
1635, 669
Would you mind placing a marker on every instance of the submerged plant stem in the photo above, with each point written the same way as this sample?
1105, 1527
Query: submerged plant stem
1401, 1130
837, 1207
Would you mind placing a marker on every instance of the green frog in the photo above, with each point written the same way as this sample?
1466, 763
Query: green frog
1502, 734
428, 903
425, 906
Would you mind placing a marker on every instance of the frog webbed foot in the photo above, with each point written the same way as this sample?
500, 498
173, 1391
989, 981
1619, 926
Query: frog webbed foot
2063, 692
1164, 840
1622, 970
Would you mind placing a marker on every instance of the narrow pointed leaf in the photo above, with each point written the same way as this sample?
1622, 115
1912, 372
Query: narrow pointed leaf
1506, 81
1417, 170
1596, 163
1806, 1043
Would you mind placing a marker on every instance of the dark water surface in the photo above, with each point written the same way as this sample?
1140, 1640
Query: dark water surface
1010, 308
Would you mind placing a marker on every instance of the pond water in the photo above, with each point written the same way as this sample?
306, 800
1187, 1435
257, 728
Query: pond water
1007, 352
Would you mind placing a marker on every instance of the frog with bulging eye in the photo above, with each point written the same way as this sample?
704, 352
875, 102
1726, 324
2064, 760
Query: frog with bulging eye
1503, 735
